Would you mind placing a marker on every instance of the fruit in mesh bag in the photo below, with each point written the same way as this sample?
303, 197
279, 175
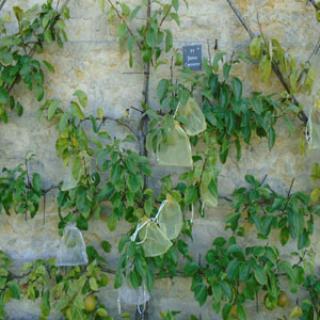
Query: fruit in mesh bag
192, 117
154, 241
170, 218
175, 149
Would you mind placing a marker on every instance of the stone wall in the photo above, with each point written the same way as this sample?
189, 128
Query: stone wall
91, 61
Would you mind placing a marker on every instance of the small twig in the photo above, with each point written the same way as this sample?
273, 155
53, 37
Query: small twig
289, 194
2, 4
164, 18
315, 51
264, 179
172, 69
228, 199
26, 163
46, 191
136, 109
124, 21
122, 123
291, 186
216, 44
314, 3
240, 18
209, 51
44, 207
118, 121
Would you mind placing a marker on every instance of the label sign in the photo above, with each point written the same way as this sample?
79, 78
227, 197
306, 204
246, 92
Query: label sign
192, 57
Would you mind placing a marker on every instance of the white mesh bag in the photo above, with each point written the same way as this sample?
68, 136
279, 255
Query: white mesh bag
131, 296
176, 150
72, 248
192, 117
69, 182
154, 241
170, 218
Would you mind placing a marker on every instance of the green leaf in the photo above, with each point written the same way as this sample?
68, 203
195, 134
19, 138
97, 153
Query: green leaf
271, 137
201, 294
82, 97
295, 221
18, 12
45, 304
265, 68
237, 88
49, 66
76, 110
53, 106
93, 284
14, 289
175, 4
169, 40
233, 269
284, 236
260, 276
241, 312
4, 96
36, 182
135, 279
255, 47
224, 150
134, 183
226, 71
106, 246
118, 280
191, 268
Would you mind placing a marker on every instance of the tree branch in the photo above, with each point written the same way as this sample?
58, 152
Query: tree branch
3, 2
301, 115
118, 121
124, 21
240, 18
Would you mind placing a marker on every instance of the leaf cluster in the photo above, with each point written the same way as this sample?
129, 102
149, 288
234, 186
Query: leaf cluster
36, 26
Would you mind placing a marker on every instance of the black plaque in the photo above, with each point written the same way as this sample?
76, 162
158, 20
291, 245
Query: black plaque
192, 57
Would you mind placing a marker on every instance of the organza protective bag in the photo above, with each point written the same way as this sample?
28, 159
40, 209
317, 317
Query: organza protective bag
313, 127
131, 296
69, 182
192, 117
176, 150
154, 241
170, 218
72, 248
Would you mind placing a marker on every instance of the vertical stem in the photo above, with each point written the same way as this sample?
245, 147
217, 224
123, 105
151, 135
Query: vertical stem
143, 148
257, 302
146, 87
44, 207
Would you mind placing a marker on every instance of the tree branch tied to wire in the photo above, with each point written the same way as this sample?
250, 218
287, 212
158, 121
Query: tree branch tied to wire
301, 115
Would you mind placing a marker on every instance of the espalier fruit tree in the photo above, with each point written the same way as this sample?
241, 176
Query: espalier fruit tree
196, 121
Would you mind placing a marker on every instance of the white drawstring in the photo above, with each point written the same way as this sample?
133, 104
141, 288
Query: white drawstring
138, 229
177, 109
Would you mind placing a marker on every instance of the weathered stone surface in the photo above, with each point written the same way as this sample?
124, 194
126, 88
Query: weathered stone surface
91, 61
